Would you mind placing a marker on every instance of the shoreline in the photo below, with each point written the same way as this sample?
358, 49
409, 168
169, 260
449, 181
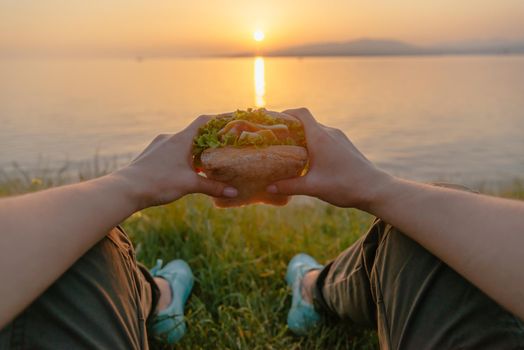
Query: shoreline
15, 178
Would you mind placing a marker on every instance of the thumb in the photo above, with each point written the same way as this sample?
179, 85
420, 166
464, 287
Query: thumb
290, 186
214, 188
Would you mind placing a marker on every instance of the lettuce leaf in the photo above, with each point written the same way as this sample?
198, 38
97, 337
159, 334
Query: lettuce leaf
208, 137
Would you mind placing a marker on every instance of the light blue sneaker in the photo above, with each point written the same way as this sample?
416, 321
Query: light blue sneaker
302, 315
169, 323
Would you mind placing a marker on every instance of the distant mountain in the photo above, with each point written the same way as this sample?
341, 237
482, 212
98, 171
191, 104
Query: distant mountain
389, 47
361, 47
493, 46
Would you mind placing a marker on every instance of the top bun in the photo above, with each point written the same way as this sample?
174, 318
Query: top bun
249, 150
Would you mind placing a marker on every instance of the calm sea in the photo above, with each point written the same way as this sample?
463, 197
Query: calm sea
428, 118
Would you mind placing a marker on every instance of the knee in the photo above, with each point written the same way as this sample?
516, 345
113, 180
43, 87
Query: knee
395, 246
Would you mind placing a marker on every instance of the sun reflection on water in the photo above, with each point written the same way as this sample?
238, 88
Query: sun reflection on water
260, 82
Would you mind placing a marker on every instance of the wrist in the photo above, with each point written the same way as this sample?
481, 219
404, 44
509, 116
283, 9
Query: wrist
377, 192
131, 188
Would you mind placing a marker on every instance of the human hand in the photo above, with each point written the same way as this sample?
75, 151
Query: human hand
338, 172
164, 171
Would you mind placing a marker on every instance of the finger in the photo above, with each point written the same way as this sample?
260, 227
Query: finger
280, 115
290, 187
186, 136
225, 115
304, 115
156, 140
196, 124
161, 137
213, 188
311, 127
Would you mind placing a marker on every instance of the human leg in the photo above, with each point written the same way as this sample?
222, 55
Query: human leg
177, 279
388, 281
101, 302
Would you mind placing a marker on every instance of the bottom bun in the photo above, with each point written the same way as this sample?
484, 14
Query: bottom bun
250, 170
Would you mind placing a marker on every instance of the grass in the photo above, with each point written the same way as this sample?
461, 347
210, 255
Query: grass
239, 259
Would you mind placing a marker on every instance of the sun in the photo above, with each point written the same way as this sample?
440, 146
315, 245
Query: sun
258, 35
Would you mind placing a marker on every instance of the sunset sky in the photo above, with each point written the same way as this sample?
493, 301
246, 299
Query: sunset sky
123, 27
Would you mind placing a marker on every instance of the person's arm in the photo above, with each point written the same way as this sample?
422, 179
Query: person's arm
42, 234
480, 237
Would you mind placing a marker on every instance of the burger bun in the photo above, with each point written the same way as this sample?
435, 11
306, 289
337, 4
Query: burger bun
251, 169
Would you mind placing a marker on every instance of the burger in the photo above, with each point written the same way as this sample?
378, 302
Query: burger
249, 150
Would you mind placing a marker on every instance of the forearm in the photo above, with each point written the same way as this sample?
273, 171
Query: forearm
44, 233
480, 237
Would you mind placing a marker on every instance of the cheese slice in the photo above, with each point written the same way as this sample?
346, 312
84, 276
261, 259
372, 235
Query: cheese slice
248, 129
257, 137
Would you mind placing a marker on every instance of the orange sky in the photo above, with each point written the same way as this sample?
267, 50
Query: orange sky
119, 27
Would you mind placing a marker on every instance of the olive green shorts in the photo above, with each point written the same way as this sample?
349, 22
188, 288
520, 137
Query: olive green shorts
102, 302
388, 282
